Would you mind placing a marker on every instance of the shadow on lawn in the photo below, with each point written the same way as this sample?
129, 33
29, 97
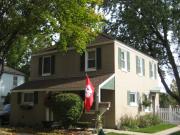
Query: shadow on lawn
44, 131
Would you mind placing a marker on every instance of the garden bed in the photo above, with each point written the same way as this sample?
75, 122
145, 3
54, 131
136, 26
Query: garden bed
14, 131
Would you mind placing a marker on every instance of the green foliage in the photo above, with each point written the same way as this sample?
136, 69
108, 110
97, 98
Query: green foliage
28, 25
67, 108
146, 102
148, 120
128, 122
152, 27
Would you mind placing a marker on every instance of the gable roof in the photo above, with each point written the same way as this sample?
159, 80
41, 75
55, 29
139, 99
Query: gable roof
73, 83
101, 39
10, 70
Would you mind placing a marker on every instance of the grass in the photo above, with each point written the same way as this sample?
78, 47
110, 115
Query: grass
112, 133
13, 130
176, 133
154, 129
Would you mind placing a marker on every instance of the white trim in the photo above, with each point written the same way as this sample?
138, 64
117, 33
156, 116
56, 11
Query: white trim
98, 98
29, 103
72, 48
86, 60
46, 74
47, 90
129, 48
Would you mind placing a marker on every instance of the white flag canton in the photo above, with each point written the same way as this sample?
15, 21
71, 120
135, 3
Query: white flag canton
88, 91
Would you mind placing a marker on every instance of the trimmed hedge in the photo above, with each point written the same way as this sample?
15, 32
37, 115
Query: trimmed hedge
67, 108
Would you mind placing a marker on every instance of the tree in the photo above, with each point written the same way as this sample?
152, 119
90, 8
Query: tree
29, 24
165, 100
152, 27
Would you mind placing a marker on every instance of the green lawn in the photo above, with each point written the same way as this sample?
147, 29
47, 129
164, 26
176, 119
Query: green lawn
112, 133
154, 129
176, 133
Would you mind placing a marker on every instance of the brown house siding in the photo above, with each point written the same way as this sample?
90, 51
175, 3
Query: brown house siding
68, 64
34, 116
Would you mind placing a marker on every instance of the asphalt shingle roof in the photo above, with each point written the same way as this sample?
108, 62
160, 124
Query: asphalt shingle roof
73, 83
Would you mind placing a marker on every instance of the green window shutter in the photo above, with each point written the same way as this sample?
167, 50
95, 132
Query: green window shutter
137, 70
82, 62
19, 97
40, 66
138, 98
128, 97
98, 58
128, 61
143, 64
150, 69
35, 97
155, 71
52, 64
119, 58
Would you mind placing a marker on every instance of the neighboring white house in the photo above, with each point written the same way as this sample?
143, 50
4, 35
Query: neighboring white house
10, 79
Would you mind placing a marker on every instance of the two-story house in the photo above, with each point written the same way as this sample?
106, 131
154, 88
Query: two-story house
10, 79
120, 74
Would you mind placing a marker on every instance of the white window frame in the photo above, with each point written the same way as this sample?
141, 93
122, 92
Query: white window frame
135, 102
125, 68
46, 74
152, 70
140, 66
86, 60
29, 103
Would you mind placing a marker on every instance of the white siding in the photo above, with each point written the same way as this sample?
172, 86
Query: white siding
6, 84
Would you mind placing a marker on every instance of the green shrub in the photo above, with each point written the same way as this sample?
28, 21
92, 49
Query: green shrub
67, 108
128, 122
148, 120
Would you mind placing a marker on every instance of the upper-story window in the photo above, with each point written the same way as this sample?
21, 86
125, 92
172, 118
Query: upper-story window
123, 60
15, 81
140, 66
152, 70
46, 65
90, 60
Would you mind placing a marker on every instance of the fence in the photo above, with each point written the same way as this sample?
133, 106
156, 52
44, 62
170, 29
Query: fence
169, 115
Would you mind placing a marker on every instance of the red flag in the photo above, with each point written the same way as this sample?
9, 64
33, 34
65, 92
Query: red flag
89, 94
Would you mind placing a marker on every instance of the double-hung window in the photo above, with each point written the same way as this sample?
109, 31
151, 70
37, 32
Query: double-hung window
46, 66
152, 70
90, 60
28, 98
123, 60
140, 66
132, 98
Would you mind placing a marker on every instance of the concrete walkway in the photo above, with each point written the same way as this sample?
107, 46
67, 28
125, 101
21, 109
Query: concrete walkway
164, 132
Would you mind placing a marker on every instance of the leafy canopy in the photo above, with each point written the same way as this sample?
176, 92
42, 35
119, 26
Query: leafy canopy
151, 26
27, 25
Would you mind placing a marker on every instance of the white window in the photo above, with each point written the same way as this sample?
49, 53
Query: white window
152, 70
28, 98
90, 57
133, 99
15, 81
124, 60
46, 66
140, 66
